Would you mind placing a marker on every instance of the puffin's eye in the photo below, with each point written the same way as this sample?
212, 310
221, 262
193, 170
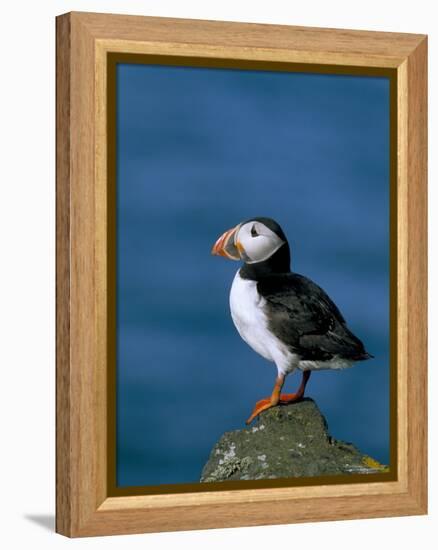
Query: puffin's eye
254, 231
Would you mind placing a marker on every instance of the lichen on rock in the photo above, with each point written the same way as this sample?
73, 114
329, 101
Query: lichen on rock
285, 441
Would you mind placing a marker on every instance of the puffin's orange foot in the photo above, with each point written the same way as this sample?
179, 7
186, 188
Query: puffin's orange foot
280, 399
286, 398
260, 406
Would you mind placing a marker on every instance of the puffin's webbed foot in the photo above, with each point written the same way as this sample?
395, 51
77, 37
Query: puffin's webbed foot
260, 406
286, 398
278, 398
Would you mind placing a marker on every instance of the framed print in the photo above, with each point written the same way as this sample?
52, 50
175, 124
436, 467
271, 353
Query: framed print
241, 274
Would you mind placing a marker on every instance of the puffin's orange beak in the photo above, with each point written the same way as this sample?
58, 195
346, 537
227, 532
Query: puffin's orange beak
225, 245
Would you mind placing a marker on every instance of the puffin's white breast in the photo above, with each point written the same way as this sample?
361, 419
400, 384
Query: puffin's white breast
247, 311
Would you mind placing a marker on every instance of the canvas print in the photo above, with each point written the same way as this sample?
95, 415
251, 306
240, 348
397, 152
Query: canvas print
252, 275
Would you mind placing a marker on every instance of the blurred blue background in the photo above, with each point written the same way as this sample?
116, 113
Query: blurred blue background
199, 150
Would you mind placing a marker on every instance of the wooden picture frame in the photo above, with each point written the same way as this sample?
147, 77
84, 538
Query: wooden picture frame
85, 42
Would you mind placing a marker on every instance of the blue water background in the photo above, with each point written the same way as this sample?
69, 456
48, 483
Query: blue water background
199, 150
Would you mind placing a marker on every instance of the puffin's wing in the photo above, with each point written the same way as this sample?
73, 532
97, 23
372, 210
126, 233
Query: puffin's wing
304, 317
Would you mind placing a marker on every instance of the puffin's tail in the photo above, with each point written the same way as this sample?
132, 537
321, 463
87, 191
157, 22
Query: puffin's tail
364, 356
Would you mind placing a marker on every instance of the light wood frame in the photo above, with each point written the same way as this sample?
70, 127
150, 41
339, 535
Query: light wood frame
83, 505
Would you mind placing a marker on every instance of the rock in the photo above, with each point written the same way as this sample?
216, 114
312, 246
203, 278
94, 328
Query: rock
285, 441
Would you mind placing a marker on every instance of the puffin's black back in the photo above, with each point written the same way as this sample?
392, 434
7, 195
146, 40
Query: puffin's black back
304, 317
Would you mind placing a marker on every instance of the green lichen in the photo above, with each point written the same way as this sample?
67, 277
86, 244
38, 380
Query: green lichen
374, 464
246, 462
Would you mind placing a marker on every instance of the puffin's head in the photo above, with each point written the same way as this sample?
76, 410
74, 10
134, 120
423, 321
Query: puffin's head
253, 241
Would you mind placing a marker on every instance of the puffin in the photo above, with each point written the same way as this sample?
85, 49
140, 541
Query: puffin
283, 316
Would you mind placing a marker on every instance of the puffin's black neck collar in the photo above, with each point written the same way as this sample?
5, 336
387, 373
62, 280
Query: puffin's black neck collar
277, 263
